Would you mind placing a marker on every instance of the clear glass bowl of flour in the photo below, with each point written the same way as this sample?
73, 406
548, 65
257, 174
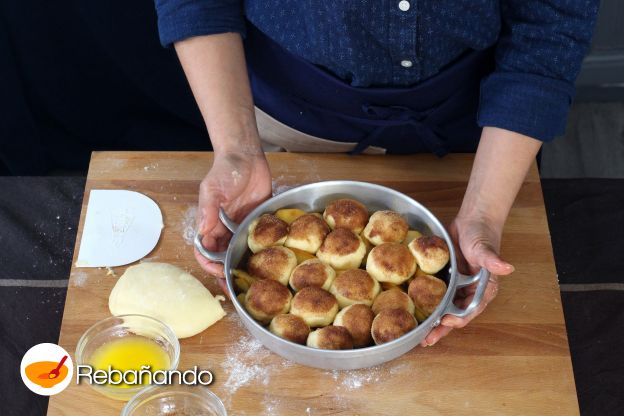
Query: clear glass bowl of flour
178, 400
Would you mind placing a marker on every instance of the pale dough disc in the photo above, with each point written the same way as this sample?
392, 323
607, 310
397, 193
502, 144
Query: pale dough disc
167, 293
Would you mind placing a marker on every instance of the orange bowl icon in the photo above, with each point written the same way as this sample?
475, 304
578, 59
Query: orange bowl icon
41, 373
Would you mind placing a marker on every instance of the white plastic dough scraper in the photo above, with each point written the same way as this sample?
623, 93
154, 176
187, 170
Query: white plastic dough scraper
121, 227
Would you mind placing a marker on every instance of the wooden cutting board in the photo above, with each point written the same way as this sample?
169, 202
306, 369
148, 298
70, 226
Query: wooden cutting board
513, 359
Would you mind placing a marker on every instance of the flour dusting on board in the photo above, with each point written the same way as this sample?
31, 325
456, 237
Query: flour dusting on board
247, 363
243, 363
354, 379
78, 279
188, 224
308, 172
283, 183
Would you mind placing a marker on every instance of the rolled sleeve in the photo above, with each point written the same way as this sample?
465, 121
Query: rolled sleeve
182, 19
538, 57
525, 103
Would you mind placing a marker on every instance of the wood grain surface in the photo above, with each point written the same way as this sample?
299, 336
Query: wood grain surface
513, 359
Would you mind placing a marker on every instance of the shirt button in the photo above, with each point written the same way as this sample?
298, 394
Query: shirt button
406, 64
404, 5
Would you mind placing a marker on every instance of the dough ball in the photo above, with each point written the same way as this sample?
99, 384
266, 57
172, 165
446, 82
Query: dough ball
431, 253
266, 299
388, 285
411, 236
167, 293
391, 324
275, 263
342, 249
290, 327
358, 320
386, 227
346, 213
307, 233
312, 272
427, 293
316, 306
288, 215
330, 338
393, 298
241, 299
391, 262
266, 231
369, 247
354, 286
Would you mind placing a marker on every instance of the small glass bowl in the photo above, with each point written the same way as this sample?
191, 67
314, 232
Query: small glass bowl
175, 400
121, 326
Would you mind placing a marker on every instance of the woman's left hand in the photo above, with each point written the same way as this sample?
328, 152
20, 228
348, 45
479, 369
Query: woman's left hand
477, 244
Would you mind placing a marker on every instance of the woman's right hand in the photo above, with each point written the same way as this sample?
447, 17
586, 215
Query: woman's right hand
237, 182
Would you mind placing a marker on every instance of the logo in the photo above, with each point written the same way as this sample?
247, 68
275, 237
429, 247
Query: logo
46, 369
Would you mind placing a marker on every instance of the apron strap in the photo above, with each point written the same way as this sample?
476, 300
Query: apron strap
391, 116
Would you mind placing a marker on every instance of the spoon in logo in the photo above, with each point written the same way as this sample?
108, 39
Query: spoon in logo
54, 373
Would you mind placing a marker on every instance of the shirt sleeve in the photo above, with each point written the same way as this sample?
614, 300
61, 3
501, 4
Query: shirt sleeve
181, 19
538, 57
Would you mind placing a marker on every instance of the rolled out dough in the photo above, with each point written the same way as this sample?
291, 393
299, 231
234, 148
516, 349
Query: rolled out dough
168, 293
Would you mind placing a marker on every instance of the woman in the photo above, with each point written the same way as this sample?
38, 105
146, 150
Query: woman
380, 77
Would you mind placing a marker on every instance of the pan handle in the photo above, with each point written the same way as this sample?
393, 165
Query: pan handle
218, 257
482, 278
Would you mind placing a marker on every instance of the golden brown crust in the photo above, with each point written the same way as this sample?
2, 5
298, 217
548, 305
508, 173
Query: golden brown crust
314, 300
391, 299
393, 258
309, 273
386, 227
431, 253
269, 229
290, 327
358, 320
347, 213
269, 263
268, 297
334, 338
391, 324
306, 225
428, 242
354, 284
340, 242
426, 292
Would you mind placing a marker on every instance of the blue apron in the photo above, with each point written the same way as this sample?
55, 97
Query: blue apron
438, 115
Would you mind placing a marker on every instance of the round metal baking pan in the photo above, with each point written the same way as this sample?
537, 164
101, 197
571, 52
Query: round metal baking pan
313, 198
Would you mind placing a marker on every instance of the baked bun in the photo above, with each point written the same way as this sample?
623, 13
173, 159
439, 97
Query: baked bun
312, 272
266, 231
391, 324
346, 213
358, 320
330, 338
290, 327
267, 298
426, 293
316, 306
354, 286
391, 262
275, 263
342, 249
307, 233
393, 298
385, 227
431, 253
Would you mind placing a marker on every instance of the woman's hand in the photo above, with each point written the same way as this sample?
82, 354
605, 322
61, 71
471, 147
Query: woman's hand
477, 244
501, 164
237, 182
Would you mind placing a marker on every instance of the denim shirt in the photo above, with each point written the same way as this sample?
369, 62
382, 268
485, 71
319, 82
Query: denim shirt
540, 45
